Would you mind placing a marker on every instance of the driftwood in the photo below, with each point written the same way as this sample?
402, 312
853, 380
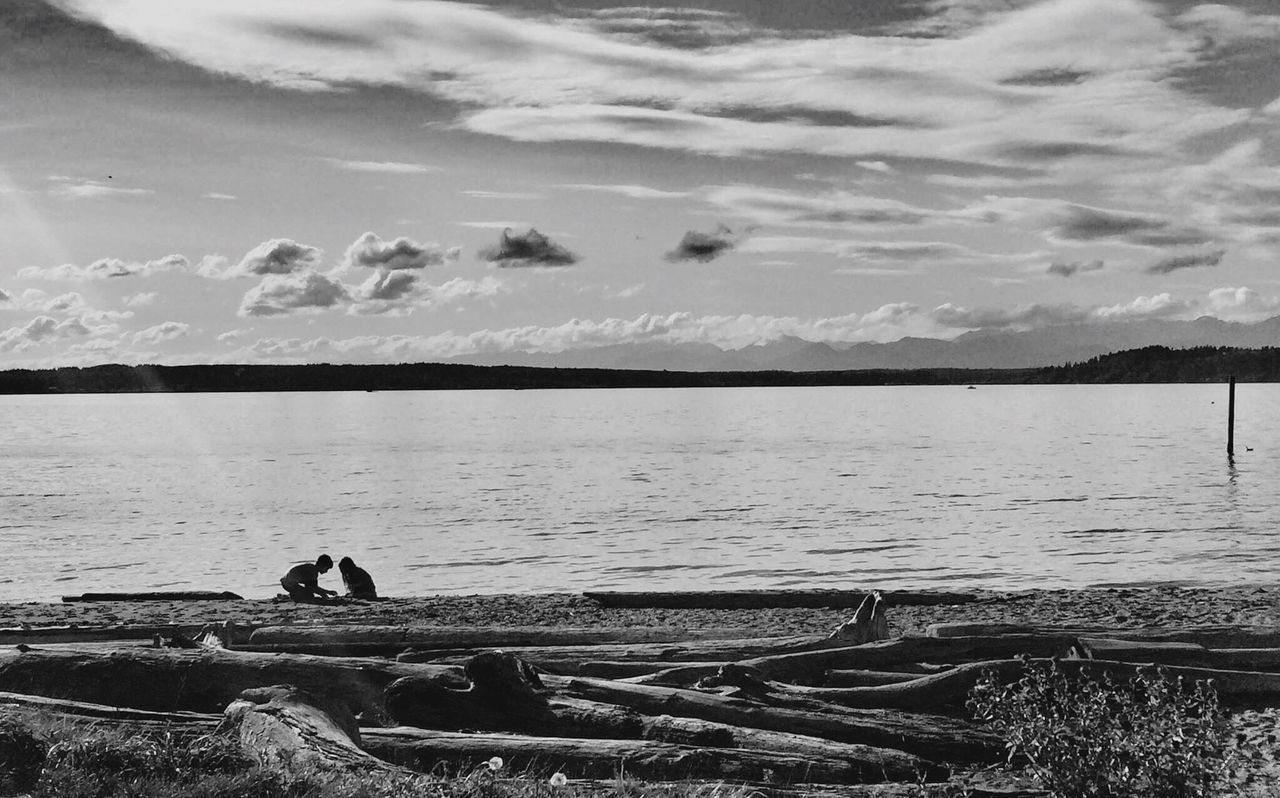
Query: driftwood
622, 669
86, 634
933, 737
287, 730
1208, 636
566, 660
506, 696
1168, 653
181, 595
429, 751
810, 667
861, 677
760, 599
201, 680
434, 637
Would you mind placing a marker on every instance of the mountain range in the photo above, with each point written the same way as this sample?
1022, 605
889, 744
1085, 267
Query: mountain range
979, 349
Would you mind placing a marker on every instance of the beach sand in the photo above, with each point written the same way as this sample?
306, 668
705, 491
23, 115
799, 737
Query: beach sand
1122, 607
1116, 607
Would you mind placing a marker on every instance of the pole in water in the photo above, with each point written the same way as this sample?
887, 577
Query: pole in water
1231, 419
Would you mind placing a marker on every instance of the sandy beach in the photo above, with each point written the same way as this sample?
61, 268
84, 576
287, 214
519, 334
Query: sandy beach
1163, 607
1121, 607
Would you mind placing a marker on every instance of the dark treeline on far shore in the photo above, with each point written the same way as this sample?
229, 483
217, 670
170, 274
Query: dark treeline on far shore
1156, 364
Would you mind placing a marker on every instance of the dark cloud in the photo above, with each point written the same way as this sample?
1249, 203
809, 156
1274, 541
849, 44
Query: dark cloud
1071, 268
530, 249
1083, 223
704, 247
1192, 261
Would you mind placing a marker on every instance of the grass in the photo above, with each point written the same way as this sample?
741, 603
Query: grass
46, 757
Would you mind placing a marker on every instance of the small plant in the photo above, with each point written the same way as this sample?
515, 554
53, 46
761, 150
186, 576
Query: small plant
1085, 737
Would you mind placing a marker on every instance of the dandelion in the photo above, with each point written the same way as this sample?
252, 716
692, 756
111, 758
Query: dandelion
558, 780
495, 764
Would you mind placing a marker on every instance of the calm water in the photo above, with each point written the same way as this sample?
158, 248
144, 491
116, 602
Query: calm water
506, 491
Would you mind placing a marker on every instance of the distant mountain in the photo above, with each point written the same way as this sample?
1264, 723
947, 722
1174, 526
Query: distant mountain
979, 349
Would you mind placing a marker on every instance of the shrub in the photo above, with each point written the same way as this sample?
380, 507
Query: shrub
1086, 737
22, 755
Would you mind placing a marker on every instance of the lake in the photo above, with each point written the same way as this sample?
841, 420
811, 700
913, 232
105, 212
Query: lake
1002, 487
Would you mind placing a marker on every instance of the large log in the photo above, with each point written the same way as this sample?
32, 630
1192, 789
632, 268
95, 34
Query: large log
288, 731
436, 637
810, 667
1170, 653
932, 737
566, 660
623, 669
179, 595
1208, 636
762, 599
43, 635
430, 751
200, 680
506, 696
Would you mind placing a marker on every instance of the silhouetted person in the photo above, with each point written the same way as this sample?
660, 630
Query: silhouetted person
302, 582
357, 580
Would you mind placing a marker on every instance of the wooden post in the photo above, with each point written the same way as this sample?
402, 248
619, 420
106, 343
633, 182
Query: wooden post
1231, 418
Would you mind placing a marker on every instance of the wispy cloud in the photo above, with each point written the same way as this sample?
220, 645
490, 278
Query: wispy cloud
1188, 261
384, 167
634, 192
83, 188
105, 268
963, 94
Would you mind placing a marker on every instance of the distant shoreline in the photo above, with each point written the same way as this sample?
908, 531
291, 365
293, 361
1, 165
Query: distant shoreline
1156, 364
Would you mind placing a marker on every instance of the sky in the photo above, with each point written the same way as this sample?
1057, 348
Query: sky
288, 181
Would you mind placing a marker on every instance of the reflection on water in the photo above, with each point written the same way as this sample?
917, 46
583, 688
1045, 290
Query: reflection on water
477, 492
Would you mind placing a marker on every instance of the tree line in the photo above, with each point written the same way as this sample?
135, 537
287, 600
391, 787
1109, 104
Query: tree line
1153, 364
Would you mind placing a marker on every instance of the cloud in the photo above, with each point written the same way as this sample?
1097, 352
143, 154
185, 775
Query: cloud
5, 296
1242, 303
387, 286
834, 209
105, 268
632, 191
1071, 268
530, 249
1189, 261
166, 331
503, 195
284, 293
1040, 315
384, 167
1081, 223
40, 330
81, 188
403, 253
214, 195
705, 247
141, 299
637, 77
275, 257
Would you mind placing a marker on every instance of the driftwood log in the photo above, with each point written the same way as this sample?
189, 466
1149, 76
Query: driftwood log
810, 667
565, 660
505, 695
1208, 636
761, 599
427, 751
179, 595
200, 680
294, 733
928, 736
